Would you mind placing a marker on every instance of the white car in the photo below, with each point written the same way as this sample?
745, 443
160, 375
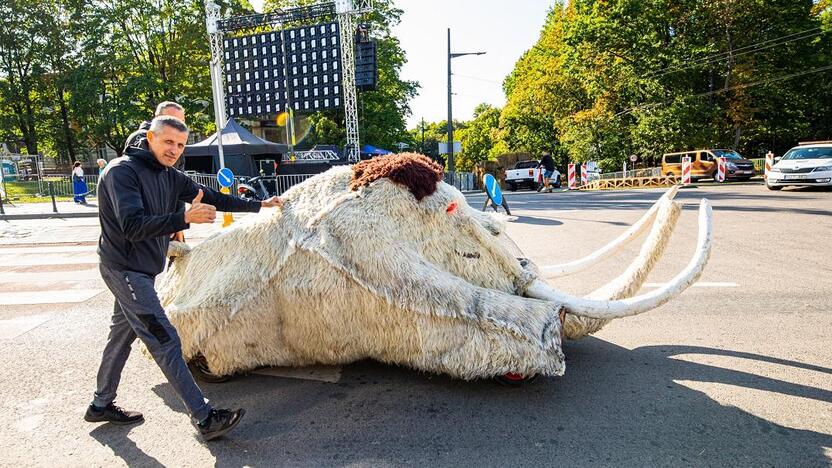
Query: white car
807, 165
525, 173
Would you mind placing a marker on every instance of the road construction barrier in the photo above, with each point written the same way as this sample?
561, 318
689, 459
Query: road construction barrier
584, 174
633, 182
769, 163
720, 170
571, 176
686, 170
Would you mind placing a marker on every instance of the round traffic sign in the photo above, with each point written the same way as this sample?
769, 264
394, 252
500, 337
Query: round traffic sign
633, 158
225, 177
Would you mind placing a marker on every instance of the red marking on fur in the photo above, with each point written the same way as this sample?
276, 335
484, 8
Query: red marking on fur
452, 206
415, 171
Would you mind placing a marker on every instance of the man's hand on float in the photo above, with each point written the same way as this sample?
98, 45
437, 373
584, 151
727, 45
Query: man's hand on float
178, 236
272, 202
200, 213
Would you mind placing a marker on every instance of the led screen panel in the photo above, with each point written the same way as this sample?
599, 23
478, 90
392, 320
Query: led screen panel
267, 72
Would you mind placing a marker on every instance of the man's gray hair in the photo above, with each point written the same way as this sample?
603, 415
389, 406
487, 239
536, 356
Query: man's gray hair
164, 105
167, 121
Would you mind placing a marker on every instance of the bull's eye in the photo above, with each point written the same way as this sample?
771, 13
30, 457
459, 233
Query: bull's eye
452, 206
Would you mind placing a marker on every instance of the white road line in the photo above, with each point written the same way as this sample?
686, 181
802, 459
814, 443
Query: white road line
24, 260
86, 274
701, 284
48, 297
49, 249
15, 327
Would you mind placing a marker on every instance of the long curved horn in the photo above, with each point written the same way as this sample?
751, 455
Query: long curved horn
598, 309
634, 231
628, 283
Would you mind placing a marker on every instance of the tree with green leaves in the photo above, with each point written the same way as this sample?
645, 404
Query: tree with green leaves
614, 77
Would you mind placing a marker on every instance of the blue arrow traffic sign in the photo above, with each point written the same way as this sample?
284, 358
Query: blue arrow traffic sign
493, 189
225, 177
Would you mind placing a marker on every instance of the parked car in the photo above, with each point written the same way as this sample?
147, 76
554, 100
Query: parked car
526, 173
808, 165
704, 165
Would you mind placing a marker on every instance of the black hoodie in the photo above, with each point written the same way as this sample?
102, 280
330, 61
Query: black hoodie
137, 199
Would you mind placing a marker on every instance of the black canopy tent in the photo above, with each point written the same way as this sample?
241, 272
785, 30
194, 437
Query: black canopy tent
241, 149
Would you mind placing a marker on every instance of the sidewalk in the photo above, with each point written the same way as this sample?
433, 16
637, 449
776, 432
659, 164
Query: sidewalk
65, 209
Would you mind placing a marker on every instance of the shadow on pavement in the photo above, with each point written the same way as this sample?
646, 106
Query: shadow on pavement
614, 407
538, 221
116, 438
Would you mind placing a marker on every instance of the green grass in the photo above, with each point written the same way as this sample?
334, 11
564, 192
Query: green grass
27, 192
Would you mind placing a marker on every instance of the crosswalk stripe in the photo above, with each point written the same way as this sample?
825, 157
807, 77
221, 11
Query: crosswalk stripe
41, 275
12, 328
53, 297
47, 249
47, 259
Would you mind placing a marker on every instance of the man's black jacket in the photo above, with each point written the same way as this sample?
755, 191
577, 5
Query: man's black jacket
137, 199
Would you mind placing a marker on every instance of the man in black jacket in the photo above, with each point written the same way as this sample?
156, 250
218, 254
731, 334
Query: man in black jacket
138, 194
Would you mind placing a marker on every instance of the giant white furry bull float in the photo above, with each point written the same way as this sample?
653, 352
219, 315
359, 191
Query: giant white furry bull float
382, 260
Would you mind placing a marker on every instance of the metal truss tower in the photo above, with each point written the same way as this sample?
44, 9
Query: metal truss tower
215, 37
345, 11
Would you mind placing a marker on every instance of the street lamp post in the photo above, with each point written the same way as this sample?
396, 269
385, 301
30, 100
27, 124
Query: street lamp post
451, 166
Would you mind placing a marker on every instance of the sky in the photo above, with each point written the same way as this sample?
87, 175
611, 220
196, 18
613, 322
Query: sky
502, 29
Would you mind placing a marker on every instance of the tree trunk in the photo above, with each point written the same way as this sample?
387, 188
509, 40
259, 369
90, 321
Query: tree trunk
68, 140
737, 135
730, 59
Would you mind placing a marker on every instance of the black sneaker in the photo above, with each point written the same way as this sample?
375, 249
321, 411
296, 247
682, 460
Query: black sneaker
219, 422
113, 414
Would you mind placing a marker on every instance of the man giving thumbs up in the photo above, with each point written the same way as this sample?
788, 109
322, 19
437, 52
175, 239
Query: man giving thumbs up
138, 195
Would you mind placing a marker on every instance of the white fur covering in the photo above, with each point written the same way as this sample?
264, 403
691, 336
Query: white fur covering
338, 276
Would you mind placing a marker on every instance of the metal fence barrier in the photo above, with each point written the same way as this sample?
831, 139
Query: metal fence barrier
62, 186
648, 172
281, 183
463, 181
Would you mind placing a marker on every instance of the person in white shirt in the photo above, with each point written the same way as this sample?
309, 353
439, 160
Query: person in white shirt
79, 186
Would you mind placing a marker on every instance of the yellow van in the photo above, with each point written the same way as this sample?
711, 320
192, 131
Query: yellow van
703, 164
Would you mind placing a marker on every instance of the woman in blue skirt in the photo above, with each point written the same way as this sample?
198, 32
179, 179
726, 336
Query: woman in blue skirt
79, 186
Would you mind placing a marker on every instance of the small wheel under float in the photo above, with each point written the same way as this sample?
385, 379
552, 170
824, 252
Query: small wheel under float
200, 370
511, 379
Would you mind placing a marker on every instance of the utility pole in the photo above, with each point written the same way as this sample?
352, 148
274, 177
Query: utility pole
450, 111
451, 166
422, 147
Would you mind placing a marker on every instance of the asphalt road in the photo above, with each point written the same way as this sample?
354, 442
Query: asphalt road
735, 372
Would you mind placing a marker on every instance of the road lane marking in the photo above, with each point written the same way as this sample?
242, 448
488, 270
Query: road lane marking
47, 259
48, 297
12, 328
47, 249
700, 284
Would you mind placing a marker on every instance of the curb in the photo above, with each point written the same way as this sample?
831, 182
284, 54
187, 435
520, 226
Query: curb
29, 216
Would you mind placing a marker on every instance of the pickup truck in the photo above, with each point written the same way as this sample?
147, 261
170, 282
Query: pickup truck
525, 173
